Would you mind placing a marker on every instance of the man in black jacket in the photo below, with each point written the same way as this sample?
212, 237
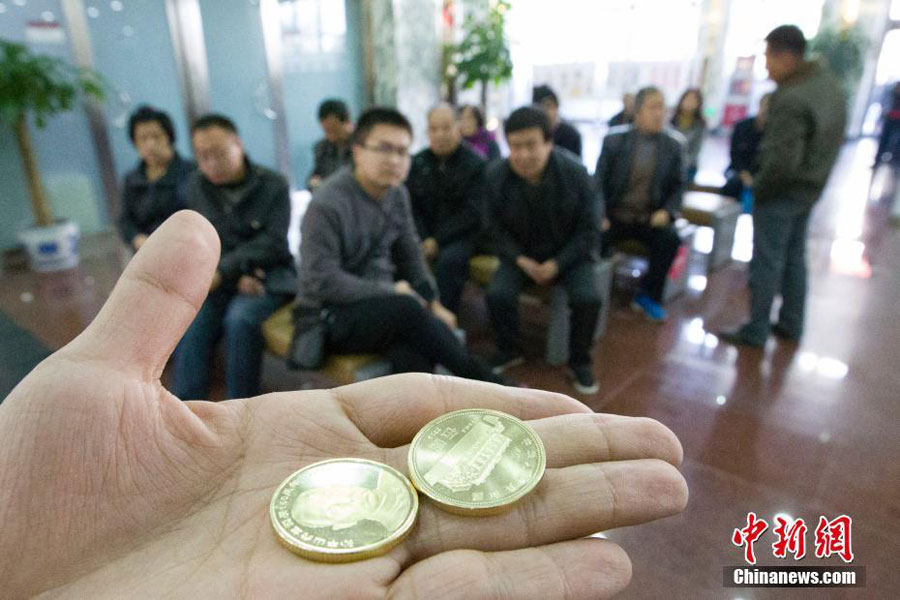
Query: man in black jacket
745, 142
333, 151
541, 204
564, 135
250, 207
445, 185
639, 178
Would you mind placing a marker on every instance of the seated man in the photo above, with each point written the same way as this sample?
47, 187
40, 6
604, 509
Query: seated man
626, 115
445, 187
745, 143
361, 260
640, 180
333, 151
250, 208
564, 135
541, 214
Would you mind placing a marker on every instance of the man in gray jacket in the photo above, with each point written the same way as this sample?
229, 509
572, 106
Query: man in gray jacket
361, 259
808, 114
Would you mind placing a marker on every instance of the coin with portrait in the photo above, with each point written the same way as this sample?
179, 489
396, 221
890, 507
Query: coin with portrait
343, 509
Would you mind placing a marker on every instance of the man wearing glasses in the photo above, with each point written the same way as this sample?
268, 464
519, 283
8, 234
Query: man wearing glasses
361, 259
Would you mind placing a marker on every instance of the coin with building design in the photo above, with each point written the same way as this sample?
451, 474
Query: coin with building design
476, 461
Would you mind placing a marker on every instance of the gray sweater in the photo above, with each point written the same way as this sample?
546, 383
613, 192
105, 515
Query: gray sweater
354, 247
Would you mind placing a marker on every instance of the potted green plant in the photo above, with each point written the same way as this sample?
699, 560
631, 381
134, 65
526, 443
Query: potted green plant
844, 52
39, 86
482, 56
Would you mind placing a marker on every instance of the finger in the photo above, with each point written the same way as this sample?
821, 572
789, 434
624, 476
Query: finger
589, 568
155, 299
568, 504
391, 410
578, 438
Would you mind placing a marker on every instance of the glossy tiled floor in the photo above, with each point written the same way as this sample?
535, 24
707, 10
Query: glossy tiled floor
804, 430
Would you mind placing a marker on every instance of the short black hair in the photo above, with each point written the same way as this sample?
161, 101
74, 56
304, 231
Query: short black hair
148, 114
787, 38
379, 115
643, 94
544, 92
476, 112
334, 107
214, 120
527, 117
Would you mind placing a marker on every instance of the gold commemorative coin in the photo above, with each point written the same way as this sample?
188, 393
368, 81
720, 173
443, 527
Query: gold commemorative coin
343, 510
476, 461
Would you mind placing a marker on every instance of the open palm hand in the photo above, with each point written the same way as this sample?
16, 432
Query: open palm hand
112, 487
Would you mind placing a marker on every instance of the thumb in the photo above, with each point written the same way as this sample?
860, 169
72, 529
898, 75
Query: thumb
155, 299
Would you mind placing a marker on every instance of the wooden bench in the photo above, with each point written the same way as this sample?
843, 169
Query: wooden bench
719, 213
482, 268
342, 368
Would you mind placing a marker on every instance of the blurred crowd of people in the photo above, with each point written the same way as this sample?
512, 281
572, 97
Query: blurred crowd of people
387, 238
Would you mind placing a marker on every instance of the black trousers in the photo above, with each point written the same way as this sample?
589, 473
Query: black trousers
452, 271
663, 244
584, 303
403, 330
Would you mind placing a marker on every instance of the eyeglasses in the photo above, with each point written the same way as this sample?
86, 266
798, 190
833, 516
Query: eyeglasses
387, 150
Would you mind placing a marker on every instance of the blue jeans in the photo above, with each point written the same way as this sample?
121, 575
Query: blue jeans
239, 318
778, 267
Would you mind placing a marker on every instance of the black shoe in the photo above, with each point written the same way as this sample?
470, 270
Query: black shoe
583, 379
501, 361
783, 334
739, 338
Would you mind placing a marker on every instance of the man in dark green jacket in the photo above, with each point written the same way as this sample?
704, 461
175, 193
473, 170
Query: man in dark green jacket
808, 115
250, 208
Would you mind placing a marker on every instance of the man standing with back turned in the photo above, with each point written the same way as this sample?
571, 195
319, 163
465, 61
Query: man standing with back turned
808, 114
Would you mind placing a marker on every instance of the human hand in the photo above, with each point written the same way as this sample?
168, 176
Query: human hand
430, 248
529, 265
314, 182
252, 285
403, 287
546, 272
138, 241
110, 486
746, 178
606, 224
660, 218
441, 312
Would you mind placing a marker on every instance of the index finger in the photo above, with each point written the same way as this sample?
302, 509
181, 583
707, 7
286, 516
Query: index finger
391, 410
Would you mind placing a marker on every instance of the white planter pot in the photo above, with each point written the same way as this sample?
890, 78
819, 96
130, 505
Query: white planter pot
52, 248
